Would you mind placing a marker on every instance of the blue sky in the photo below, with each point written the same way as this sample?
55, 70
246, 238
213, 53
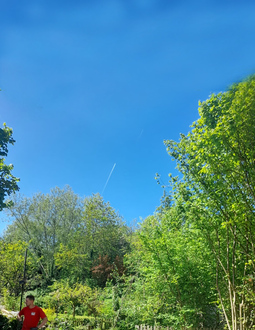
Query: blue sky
87, 84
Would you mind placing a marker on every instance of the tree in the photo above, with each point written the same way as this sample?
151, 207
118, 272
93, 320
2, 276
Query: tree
44, 222
171, 273
101, 235
216, 161
8, 182
72, 261
12, 265
104, 269
103, 228
73, 296
66, 233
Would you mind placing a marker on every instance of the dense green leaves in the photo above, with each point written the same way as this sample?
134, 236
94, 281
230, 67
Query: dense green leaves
216, 160
66, 234
11, 265
174, 272
8, 182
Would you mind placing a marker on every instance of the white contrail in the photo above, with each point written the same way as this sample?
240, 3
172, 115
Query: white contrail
108, 178
140, 134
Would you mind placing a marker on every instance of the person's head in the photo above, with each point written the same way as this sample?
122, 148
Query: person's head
30, 300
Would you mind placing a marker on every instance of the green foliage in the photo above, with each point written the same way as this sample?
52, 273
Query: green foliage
8, 183
72, 261
66, 322
172, 285
3, 321
44, 222
66, 234
194, 259
9, 324
64, 296
10, 301
216, 160
11, 265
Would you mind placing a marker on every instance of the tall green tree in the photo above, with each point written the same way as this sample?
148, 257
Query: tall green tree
44, 222
173, 275
104, 228
8, 182
101, 235
65, 233
216, 162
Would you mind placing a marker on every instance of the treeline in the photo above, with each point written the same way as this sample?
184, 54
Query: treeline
189, 265
68, 236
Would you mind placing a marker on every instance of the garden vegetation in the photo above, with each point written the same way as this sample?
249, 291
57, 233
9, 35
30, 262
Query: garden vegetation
189, 265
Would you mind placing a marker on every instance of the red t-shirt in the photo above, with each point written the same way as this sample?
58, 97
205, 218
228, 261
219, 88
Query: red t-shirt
32, 317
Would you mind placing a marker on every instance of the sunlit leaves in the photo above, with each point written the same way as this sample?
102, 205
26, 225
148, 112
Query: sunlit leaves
216, 160
8, 182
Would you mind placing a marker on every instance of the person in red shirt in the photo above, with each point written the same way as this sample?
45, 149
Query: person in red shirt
32, 314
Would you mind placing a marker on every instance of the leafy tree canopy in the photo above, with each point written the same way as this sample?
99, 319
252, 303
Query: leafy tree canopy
216, 161
8, 182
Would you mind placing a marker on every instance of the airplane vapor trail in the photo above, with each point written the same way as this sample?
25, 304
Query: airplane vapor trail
108, 178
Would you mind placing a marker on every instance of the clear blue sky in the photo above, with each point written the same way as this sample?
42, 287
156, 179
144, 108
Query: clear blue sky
86, 84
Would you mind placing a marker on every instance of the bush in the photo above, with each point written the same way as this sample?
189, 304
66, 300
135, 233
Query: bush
9, 324
67, 322
10, 301
3, 321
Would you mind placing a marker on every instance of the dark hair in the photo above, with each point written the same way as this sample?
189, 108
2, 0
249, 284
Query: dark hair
30, 297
